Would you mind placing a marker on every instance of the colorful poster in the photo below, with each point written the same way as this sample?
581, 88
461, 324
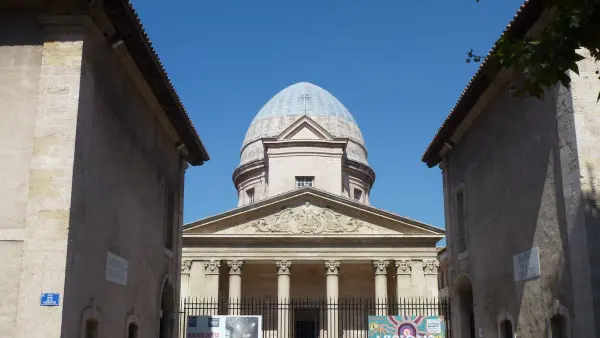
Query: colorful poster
407, 327
224, 327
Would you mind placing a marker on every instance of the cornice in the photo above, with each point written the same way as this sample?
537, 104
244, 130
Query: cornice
247, 168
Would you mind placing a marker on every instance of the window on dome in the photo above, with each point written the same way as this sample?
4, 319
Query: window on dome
357, 195
304, 181
250, 194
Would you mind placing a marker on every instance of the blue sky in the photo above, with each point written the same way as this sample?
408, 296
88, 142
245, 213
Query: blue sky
398, 66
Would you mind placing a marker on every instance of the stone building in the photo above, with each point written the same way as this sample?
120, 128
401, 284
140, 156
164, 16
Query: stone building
304, 226
93, 147
521, 178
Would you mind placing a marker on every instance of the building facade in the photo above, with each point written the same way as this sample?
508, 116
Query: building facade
304, 226
520, 180
93, 148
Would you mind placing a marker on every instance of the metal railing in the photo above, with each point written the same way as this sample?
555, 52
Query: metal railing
308, 318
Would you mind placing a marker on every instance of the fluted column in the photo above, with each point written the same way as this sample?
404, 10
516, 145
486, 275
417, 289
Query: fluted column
380, 268
283, 296
332, 269
186, 267
403, 271
430, 270
235, 285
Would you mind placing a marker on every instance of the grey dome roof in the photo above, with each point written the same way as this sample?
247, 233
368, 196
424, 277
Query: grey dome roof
294, 102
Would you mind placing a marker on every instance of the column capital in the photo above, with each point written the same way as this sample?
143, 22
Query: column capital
283, 267
186, 266
212, 266
380, 267
332, 267
430, 266
403, 266
235, 266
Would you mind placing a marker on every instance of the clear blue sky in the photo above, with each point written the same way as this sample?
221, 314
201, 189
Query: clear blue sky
398, 66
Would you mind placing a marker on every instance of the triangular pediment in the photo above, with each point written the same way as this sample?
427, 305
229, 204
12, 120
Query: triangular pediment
310, 212
305, 128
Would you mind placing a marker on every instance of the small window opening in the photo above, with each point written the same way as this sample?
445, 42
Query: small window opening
250, 194
304, 181
506, 330
460, 218
357, 195
91, 329
132, 331
558, 326
170, 210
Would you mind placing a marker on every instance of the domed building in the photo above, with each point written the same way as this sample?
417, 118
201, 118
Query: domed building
304, 226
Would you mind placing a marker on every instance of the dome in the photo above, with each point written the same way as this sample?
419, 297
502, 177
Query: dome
294, 102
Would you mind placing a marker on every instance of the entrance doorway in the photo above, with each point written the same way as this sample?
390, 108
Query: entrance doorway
306, 323
166, 312
466, 316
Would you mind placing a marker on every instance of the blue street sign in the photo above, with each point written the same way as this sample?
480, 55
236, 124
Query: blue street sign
50, 299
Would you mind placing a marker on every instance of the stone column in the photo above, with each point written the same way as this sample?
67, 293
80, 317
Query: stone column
403, 289
235, 286
332, 269
381, 286
186, 266
283, 297
430, 269
211, 284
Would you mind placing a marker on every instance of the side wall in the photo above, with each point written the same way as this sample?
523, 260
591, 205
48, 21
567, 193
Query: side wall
124, 165
509, 167
20, 65
287, 163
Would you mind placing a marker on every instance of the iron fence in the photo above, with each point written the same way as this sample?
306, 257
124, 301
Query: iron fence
312, 318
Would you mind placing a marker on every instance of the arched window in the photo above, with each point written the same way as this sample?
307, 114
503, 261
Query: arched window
132, 330
91, 329
506, 329
558, 326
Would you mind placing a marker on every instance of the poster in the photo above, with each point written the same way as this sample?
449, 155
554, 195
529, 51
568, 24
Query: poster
224, 327
407, 327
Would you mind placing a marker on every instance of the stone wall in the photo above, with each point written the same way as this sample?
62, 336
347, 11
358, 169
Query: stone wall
125, 162
20, 63
518, 165
87, 160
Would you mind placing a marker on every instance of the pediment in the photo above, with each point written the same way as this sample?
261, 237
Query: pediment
309, 212
308, 219
305, 128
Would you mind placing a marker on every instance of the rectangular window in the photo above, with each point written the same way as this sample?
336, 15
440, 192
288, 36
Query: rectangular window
170, 212
250, 194
460, 221
357, 195
304, 181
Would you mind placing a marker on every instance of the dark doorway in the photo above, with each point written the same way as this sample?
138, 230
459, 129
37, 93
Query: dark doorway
464, 290
166, 312
306, 323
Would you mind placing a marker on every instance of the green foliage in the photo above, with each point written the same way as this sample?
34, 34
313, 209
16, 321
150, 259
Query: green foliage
544, 60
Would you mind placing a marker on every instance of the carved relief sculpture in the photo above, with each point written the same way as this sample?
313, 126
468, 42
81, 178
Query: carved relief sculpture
211, 267
308, 219
186, 265
283, 267
430, 266
380, 267
332, 267
403, 267
235, 267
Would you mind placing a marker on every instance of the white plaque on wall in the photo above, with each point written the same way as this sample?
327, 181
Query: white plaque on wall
116, 269
527, 264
